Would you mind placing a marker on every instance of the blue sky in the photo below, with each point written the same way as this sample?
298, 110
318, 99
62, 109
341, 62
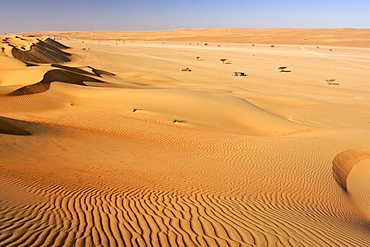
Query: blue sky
136, 15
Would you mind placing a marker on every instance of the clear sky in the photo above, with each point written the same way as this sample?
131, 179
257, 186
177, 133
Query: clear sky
136, 15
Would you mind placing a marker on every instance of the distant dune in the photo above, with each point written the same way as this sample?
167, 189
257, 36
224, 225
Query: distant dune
289, 36
32, 50
105, 139
51, 52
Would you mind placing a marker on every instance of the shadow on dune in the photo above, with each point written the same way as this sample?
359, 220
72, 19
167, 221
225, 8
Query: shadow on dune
73, 69
95, 72
55, 75
55, 43
100, 72
48, 51
11, 127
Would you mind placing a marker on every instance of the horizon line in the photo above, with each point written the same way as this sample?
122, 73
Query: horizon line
195, 28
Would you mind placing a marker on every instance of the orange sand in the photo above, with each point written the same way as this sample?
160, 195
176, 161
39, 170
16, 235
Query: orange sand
118, 147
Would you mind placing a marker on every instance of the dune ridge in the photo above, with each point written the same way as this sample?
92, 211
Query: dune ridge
344, 162
351, 171
66, 76
42, 52
32, 50
47, 51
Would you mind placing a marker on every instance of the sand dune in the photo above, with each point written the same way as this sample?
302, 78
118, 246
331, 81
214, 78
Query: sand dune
344, 162
118, 147
358, 187
41, 52
353, 166
35, 50
51, 76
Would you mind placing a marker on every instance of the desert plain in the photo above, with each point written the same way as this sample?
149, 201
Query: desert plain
105, 141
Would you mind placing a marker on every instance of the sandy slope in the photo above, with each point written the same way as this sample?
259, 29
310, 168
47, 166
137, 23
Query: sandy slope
97, 158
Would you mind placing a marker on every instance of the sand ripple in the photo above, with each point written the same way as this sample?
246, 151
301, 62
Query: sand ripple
91, 217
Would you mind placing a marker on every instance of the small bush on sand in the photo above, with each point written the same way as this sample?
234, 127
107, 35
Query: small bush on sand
282, 68
175, 120
331, 82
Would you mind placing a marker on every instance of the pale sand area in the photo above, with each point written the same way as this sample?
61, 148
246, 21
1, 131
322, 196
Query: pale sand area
348, 37
249, 162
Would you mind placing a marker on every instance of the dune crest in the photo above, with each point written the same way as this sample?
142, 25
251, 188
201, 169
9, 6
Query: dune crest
344, 162
34, 50
42, 52
359, 187
66, 76
351, 170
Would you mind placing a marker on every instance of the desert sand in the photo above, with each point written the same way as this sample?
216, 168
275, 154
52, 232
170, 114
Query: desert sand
105, 142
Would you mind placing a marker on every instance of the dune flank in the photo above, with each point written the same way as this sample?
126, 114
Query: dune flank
344, 162
358, 187
351, 171
47, 51
9, 126
34, 50
114, 145
65, 76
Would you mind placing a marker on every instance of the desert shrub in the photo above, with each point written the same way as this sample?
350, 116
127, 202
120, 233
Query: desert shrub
331, 82
282, 68
175, 120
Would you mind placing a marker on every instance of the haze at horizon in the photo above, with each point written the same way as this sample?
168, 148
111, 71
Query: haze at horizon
141, 15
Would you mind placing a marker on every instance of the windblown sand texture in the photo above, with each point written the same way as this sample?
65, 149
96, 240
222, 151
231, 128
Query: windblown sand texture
107, 143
